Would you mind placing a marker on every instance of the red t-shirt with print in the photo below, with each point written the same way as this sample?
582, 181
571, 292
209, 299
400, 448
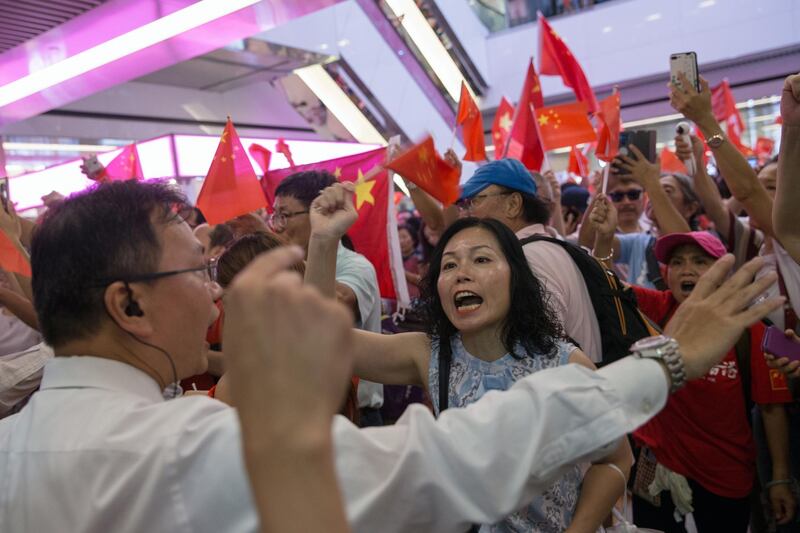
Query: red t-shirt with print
703, 432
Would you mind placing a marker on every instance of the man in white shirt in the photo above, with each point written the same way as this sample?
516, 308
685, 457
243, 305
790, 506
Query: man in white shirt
356, 280
100, 445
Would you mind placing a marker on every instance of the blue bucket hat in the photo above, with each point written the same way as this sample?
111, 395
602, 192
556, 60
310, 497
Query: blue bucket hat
508, 173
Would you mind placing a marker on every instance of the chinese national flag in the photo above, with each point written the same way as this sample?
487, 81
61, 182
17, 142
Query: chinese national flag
564, 125
126, 166
282, 147
261, 155
501, 127
11, 259
426, 168
723, 105
671, 163
370, 234
469, 117
524, 142
610, 126
578, 163
231, 187
556, 59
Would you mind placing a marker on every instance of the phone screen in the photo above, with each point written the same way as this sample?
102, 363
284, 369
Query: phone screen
685, 62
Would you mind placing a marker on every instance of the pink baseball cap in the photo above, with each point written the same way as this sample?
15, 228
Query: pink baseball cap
705, 240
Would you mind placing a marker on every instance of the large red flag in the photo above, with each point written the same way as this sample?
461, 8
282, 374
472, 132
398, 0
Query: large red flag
126, 166
556, 59
610, 126
578, 163
469, 117
764, 148
723, 105
671, 163
370, 234
524, 142
564, 125
11, 258
426, 168
231, 187
501, 127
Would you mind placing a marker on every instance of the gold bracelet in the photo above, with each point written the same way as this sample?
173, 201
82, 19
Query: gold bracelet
606, 258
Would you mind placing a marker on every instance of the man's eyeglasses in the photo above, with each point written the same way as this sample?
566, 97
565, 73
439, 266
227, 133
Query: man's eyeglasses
278, 220
475, 201
209, 269
632, 195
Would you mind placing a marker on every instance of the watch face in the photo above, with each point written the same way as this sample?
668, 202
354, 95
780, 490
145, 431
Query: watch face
649, 343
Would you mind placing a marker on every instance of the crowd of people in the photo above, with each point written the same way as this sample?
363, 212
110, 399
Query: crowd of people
158, 373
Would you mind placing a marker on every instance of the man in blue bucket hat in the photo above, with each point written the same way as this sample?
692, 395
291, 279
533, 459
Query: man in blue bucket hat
506, 191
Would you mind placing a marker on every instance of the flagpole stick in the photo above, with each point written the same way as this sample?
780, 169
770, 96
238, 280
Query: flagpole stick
453, 138
605, 177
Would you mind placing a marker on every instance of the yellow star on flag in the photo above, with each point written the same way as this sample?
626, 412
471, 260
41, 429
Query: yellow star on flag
223, 138
543, 120
337, 173
424, 156
364, 190
505, 122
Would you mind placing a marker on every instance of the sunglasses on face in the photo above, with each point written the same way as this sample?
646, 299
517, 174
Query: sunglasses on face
632, 195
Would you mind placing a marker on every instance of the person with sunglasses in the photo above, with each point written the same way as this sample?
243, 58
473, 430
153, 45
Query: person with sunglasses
628, 198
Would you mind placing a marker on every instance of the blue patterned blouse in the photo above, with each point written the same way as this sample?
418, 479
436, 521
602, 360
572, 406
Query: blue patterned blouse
471, 378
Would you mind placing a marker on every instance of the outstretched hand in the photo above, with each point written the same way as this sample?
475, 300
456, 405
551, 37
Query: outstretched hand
716, 313
685, 151
638, 168
332, 212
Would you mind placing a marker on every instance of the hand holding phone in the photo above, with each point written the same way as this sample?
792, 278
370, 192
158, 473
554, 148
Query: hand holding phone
778, 344
92, 167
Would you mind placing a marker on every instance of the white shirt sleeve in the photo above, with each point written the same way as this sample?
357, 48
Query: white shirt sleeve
478, 464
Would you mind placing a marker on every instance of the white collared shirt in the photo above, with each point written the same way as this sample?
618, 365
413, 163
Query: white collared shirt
97, 449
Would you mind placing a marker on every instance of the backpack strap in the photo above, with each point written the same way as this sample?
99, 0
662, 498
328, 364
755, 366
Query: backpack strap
743, 350
445, 358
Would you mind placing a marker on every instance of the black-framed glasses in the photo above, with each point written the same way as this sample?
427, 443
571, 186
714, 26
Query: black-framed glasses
475, 201
209, 269
632, 195
278, 219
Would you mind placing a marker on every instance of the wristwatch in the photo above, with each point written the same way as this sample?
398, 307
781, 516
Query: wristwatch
666, 350
715, 141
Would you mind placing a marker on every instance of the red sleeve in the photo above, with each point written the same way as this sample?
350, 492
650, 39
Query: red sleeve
767, 385
654, 304
214, 333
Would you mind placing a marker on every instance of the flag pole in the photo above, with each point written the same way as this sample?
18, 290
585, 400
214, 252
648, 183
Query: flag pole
453, 138
605, 177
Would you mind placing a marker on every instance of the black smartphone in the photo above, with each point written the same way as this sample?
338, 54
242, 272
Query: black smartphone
4, 198
644, 140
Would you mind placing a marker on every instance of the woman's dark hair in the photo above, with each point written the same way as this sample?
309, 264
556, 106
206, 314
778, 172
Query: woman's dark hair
689, 196
243, 250
530, 320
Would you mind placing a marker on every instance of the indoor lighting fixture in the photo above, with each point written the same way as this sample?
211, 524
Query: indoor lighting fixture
47, 147
166, 27
429, 45
333, 97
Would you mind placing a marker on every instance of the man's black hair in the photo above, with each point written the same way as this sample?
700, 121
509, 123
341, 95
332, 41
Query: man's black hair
305, 186
105, 233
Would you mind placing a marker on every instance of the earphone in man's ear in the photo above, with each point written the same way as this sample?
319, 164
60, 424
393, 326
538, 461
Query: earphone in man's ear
132, 309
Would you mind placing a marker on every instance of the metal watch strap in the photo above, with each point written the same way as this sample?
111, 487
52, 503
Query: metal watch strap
716, 140
666, 350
